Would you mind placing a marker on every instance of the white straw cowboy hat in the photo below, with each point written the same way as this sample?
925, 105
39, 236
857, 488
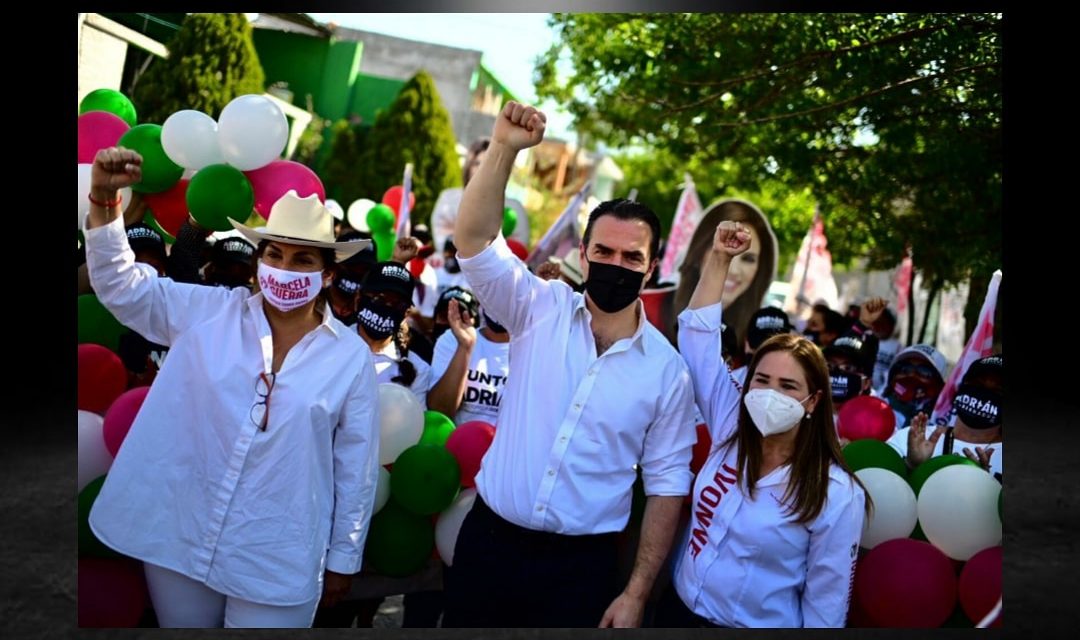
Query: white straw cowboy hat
302, 221
570, 265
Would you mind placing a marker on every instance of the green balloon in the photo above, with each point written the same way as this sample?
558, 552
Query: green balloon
108, 100
918, 534
437, 429
158, 171
862, 454
217, 193
425, 479
380, 218
97, 325
509, 221
152, 222
924, 470
384, 244
399, 543
89, 545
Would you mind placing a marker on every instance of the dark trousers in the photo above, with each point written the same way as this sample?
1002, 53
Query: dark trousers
672, 613
508, 576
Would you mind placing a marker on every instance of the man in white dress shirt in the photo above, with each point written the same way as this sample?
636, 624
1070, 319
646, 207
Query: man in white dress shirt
596, 391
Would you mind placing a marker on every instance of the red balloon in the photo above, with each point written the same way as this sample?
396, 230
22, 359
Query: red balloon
866, 417
906, 583
275, 180
170, 206
98, 130
120, 415
102, 378
112, 592
701, 448
517, 249
416, 267
469, 442
392, 199
980, 585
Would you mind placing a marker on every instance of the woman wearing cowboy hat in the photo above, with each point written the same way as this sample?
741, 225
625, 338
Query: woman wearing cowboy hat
246, 482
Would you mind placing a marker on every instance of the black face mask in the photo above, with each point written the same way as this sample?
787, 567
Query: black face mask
845, 386
491, 324
978, 407
611, 287
380, 321
451, 265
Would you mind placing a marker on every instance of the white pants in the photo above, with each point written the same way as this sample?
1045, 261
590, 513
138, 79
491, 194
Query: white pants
181, 602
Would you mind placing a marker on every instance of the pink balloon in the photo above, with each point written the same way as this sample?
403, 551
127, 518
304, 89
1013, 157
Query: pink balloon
277, 178
120, 415
469, 442
906, 583
980, 584
112, 592
98, 130
866, 417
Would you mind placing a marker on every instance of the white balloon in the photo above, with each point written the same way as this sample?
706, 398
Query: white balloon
252, 132
958, 510
448, 525
357, 215
94, 458
894, 515
335, 209
382, 490
401, 421
190, 139
84, 193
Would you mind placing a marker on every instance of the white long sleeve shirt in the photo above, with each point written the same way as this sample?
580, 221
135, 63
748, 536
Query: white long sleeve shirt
746, 562
196, 486
572, 425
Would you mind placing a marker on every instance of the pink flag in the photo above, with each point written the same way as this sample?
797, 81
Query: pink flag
813, 271
902, 283
563, 235
688, 214
979, 345
404, 227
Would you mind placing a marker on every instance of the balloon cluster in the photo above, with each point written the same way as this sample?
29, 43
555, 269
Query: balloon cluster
216, 170
945, 513
430, 478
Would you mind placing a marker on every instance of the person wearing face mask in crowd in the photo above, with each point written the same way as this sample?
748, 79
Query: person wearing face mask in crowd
449, 274
916, 377
851, 356
596, 390
977, 431
466, 302
246, 506
344, 294
232, 263
380, 320
776, 514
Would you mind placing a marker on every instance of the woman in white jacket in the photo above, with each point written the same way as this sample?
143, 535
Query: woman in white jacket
247, 480
775, 514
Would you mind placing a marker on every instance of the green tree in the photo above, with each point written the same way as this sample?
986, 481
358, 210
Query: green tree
893, 120
211, 60
415, 128
341, 170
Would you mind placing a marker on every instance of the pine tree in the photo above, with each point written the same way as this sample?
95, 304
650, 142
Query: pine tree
415, 128
212, 60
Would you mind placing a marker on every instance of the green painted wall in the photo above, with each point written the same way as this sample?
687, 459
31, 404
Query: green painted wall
372, 94
338, 78
294, 58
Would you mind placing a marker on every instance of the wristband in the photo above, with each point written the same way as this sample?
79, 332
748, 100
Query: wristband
107, 203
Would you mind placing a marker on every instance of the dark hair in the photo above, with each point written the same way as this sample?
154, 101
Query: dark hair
406, 369
738, 313
816, 445
835, 322
328, 256
624, 209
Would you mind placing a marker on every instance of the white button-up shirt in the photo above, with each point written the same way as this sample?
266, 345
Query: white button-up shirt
196, 486
747, 563
572, 425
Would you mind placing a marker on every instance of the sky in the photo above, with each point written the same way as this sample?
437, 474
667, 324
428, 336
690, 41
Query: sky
510, 42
